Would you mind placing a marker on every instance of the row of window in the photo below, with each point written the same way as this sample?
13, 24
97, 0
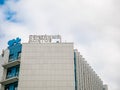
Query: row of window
14, 54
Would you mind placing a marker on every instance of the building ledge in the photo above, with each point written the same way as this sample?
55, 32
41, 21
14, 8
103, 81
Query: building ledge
10, 64
8, 81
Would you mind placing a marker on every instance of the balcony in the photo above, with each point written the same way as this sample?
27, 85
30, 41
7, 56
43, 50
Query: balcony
10, 80
11, 64
12, 72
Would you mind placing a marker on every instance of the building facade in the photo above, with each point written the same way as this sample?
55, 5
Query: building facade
105, 87
45, 63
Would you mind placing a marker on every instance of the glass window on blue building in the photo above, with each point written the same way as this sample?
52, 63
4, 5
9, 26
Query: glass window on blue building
14, 52
15, 56
12, 86
11, 57
12, 71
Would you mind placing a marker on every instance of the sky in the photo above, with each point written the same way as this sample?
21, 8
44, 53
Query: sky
93, 26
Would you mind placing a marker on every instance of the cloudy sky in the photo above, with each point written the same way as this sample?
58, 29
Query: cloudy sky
93, 26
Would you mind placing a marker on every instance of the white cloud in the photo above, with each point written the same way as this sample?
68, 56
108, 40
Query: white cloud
93, 25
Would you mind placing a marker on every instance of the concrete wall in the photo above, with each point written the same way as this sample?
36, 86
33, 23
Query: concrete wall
47, 67
105, 87
3, 60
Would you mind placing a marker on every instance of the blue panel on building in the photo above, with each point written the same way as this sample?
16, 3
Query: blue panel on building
15, 48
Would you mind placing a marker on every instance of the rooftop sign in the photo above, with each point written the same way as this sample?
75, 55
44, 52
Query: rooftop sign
44, 39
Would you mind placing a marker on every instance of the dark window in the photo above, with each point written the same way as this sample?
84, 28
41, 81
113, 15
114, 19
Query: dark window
11, 57
12, 86
12, 72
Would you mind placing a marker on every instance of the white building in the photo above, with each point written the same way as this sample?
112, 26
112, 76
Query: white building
105, 87
45, 63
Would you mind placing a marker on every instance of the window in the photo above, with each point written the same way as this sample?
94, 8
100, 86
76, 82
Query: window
12, 86
11, 57
12, 72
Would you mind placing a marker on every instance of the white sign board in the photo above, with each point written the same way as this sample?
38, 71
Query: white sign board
44, 39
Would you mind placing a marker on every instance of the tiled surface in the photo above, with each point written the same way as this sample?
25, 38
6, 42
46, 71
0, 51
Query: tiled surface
47, 67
